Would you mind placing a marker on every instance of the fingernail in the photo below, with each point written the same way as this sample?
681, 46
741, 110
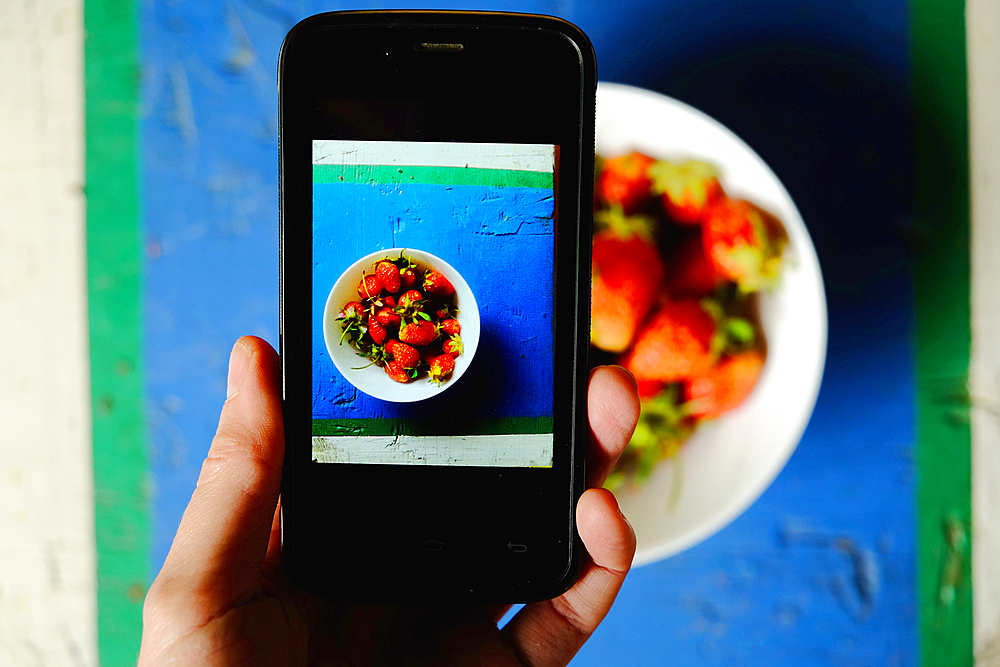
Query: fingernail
627, 371
239, 361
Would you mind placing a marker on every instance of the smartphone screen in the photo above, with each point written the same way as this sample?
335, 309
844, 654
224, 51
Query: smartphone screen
482, 216
435, 427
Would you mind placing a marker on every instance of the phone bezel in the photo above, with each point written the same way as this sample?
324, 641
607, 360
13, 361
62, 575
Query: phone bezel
392, 558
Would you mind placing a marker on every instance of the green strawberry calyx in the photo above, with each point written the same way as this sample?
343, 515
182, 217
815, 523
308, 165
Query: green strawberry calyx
459, 345
685, 182
402, 262
733, 333
351, 329
376, 354
755, 262
625, 226
412, 310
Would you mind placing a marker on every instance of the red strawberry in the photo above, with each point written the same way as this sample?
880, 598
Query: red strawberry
419, 332
450, 327
446, 312
623, 181
369, 287
387, 317
388, 301
626, 277
406, 355
688, 189
411, 299
725, 386
437, 285
396, 372
692, 273
388, 275
352, 310
675, 344
745, 243
650, 388
453, 346
390, 345
411, 303
351, 317
407, 278
376, 330
441, 368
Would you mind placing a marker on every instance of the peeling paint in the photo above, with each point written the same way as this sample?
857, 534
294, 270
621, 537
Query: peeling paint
859, 597
183, 111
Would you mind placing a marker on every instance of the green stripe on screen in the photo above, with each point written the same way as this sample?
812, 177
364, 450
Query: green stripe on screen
943, 336
355, 427
389, 175
114, 292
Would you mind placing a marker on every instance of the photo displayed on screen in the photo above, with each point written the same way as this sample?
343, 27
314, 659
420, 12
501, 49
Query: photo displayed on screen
432, 301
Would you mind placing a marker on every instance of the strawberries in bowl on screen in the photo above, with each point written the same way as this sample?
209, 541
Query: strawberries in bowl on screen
401, 325
404, 336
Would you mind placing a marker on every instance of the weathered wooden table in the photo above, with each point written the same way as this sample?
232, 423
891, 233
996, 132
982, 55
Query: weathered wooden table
858, 554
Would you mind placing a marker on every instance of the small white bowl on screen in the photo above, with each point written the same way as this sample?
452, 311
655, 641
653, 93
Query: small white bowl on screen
373, 379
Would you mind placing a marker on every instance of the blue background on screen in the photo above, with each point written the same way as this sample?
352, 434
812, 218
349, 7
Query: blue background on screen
500, 239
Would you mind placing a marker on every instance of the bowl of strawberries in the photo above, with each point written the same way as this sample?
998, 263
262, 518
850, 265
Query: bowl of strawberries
706, 286
401, 325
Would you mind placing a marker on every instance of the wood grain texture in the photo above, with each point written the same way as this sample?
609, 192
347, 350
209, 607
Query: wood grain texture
820, 90
47, 583
943, 336
526, 450
114, 272
983, 34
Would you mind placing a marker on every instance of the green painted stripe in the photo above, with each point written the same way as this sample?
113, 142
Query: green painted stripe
943, 336
114, 285
512, 425
389, 175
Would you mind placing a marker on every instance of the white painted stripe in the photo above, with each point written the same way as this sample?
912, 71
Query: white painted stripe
983, 39
508, 451
518, 157
47, 579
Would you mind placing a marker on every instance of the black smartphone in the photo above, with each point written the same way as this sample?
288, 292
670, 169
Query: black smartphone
436, 179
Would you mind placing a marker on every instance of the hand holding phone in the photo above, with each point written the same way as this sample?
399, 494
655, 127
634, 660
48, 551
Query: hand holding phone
436, 189
221, 592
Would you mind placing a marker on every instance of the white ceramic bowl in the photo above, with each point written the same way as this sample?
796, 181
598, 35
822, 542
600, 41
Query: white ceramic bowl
728, 463
373, 380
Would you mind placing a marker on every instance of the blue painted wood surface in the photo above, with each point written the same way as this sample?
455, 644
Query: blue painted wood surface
821, 569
